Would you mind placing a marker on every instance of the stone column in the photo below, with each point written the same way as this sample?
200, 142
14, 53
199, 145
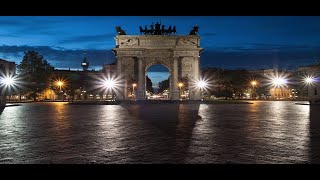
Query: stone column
120, 95
125, 89
174, 85
141, 89
196, 93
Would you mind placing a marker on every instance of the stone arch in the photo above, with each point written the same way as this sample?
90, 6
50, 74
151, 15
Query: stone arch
158, 63
180, 58
170, 77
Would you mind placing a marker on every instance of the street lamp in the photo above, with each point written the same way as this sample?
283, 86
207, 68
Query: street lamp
278, 81
133, 86
201, 85
7, 82
309, 80
60, 84
253, 83
180, 86
109, 84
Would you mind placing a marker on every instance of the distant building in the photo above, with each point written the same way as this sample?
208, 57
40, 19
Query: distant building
78, 85
281, 92
7, 66
85, 64
109, 68
313, 87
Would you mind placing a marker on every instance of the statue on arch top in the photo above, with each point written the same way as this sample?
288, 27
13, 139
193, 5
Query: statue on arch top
120, 31
194, 31
157, 29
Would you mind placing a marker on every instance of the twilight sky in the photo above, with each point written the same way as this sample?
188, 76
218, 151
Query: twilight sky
251, 42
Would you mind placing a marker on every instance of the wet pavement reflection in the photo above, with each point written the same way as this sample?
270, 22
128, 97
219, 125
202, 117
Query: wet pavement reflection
262, 132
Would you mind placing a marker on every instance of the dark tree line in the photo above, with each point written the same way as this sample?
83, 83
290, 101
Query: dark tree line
36, 72
163, 85
149, 85
231, 83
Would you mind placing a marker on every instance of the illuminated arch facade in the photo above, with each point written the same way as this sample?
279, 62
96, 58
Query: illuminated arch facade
135, 54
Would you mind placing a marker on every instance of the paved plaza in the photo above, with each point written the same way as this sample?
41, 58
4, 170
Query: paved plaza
263, 132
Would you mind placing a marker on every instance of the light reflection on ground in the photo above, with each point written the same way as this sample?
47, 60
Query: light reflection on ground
262, 132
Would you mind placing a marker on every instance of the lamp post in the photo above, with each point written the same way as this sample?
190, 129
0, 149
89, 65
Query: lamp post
201, 85
133, 93
309, 80
180, 86
60, 84
253, 83
7, 83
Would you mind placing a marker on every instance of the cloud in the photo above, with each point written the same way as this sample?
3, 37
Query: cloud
60, 57
88, 38
18, 26
248, 56
7, 22
261, 56
207, 34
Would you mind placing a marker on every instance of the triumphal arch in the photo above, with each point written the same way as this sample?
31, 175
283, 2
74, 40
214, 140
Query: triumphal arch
179, 53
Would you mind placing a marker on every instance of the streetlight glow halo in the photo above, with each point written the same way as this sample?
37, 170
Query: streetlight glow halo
8, 81
201, 84
309, 79
109, 83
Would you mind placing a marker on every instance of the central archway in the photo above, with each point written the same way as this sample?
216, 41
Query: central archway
157, 82
135, 54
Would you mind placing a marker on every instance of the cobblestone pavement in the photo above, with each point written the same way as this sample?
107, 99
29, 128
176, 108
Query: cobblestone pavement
262, 132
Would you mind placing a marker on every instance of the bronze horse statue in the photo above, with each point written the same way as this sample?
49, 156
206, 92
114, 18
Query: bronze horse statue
158, 30
194, 31
120, 31
146, 31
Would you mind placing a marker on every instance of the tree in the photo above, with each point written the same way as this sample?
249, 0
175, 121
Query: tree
226, 83
163, 85
240, 81
149, 85
36, 71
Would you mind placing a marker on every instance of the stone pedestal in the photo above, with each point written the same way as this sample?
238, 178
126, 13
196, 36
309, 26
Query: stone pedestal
197, 95
175, 95
141, 95
3, 101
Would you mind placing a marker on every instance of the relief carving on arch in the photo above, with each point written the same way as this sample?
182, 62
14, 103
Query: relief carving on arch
129, 42
186, 41
187, 64
127, 66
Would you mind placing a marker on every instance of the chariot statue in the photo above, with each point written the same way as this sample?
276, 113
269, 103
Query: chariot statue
157, 29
